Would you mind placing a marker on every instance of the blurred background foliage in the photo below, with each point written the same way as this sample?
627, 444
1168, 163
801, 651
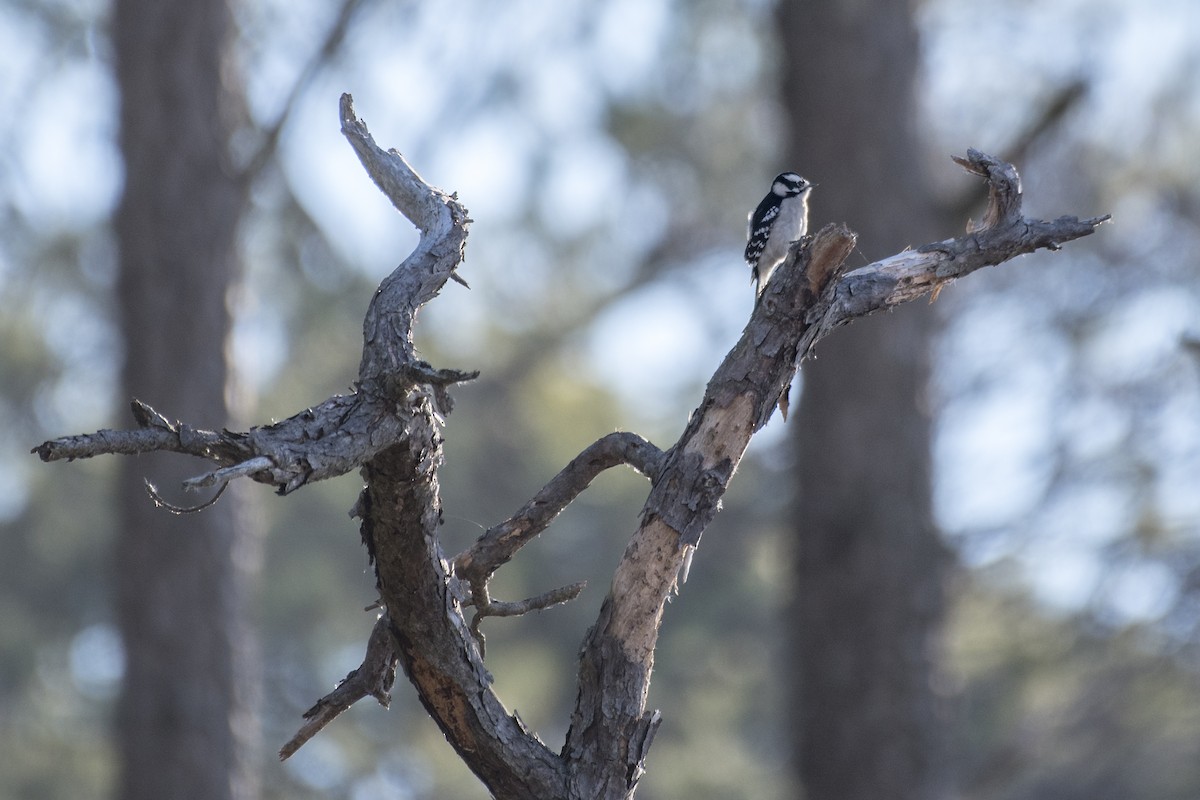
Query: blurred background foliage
608, 153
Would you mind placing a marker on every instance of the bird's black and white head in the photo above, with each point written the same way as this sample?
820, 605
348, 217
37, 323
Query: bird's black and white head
780, 219
788, 184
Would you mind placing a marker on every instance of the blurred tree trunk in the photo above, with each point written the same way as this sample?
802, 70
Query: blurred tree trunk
181, 722
870, 564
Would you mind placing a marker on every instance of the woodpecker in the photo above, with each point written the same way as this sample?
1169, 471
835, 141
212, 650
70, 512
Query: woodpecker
780, 219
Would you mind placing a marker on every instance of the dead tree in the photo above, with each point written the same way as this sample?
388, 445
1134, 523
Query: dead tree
390, 428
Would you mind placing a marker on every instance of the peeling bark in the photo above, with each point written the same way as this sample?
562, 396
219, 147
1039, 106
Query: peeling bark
391, 429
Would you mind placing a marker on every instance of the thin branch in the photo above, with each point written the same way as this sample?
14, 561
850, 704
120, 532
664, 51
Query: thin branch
443, 223
424, 206
1065, 100
554, 597
108, 442
486, 607
679, 249
321, 442
161, 502
154, 433
334, 38
501, 542
373, 678
1002, 234
223, 476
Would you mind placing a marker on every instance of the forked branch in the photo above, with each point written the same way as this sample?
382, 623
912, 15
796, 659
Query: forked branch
390, 428
809, 296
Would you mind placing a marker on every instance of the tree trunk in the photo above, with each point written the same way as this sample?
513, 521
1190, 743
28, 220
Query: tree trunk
181, 722
870, 565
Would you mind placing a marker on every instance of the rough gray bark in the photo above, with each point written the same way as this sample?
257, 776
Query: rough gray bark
184, 730
424, 594
870, 567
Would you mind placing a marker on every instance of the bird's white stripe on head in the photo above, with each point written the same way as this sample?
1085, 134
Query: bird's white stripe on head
788, 183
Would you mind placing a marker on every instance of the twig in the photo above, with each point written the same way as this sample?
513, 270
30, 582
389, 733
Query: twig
554, 597
486, 607
223, 476
501, 542
374, 677
334, 38
179, 511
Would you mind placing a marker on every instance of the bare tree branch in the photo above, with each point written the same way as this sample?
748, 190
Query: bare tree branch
226, 474
807, 298
486, 607
321, 442
1045, 122
1003, 234
179, 511
374, 678
391, 429
501, 542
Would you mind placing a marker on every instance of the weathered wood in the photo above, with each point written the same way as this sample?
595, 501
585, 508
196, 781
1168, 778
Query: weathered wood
401, 512
501, 542
373, 678
611, 728
390, 429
